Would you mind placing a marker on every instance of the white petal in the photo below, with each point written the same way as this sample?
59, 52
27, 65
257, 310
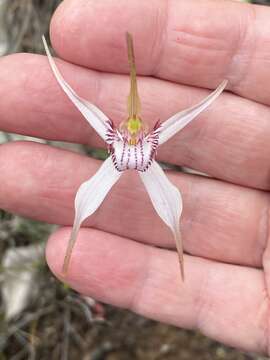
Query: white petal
19, 277
96, 118
178, 121
167, 202
89, 197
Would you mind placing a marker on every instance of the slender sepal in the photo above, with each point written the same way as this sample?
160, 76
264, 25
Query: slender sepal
178, 121
95, 117
88, 198
133, 98
167, 202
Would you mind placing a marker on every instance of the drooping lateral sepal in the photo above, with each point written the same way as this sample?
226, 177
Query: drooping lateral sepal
167, 202
89, 197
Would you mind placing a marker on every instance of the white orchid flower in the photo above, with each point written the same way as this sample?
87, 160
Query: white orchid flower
130, 147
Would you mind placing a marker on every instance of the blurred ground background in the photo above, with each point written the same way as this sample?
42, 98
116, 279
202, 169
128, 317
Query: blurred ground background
57, 323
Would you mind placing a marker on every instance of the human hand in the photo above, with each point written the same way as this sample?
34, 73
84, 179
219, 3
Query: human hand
225, 220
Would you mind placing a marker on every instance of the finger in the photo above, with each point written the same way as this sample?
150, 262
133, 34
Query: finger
147, 280
183, 43
227, 141
220, 221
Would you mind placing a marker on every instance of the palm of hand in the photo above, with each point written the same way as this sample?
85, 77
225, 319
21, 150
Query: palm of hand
225, 220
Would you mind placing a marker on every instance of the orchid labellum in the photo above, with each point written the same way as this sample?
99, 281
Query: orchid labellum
131, 146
